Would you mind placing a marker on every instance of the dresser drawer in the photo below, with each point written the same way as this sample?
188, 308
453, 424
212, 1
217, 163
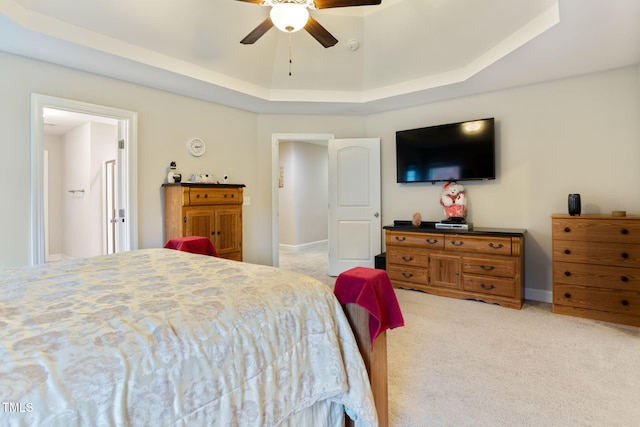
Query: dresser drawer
214, 196
489, 266
597, 230
408, 257
611, 300
408, 274
599, 253
603, 276
489, 285
423, 240
485, 244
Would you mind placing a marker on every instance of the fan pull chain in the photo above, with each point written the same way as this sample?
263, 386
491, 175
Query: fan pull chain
290, 53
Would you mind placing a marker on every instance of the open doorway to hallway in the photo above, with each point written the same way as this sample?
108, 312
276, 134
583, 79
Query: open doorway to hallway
303, 207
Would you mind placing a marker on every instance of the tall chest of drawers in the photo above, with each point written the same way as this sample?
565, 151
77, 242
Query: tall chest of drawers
484, 264
596, 267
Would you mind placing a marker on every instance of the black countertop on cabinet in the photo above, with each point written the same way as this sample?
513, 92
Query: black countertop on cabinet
430, 227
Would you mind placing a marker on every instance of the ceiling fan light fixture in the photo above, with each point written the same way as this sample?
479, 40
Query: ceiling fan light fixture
289, 17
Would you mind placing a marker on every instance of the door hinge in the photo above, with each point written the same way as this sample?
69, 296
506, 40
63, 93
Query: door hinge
121, 144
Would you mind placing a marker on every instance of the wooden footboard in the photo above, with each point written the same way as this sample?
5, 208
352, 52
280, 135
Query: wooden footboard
374, 360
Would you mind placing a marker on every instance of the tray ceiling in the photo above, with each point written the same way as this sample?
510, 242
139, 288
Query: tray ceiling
410, 51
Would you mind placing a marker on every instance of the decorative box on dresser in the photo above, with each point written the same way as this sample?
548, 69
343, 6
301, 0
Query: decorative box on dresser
208, 210
596, 267
485, 264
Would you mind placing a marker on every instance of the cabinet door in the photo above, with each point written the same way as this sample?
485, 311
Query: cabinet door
199, 222
228, 233
444, 271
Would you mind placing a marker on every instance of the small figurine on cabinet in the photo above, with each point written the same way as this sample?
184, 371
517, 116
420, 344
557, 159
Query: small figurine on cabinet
454, 200
172, 172
417, 219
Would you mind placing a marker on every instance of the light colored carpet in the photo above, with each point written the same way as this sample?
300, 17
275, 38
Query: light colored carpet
466, 363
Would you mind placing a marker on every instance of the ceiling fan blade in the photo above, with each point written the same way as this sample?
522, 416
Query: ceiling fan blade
257, 32
320, 33
327, 4
253, 1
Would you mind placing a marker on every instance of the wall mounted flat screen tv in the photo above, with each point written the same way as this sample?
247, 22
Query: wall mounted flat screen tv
450, 152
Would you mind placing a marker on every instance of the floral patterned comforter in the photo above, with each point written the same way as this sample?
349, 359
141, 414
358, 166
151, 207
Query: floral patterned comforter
160, 337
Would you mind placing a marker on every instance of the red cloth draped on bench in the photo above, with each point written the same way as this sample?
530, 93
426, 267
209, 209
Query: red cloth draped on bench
371, 289
193, 244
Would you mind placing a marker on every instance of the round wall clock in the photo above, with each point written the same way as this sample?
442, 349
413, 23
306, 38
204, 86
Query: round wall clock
196, 147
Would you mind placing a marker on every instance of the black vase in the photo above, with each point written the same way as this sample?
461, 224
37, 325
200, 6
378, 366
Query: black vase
574, 204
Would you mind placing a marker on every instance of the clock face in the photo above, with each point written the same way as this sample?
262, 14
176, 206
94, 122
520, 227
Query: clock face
196, 147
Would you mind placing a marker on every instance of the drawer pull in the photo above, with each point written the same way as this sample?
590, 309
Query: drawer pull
498, 246
407, 259
487, 267
407, 275
431, 241
567, 251
624, 302
624, 278
624, 255
401, 238
488, 288
567, 229
624, 231
567, 273
460, 243
567, 295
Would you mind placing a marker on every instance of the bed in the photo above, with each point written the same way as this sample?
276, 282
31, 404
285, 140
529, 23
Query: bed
160, 337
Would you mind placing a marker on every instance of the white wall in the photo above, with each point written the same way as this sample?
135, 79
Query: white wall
286, 195
165, 123
76, 205
580, 135
53, 144
576, 135
312, 191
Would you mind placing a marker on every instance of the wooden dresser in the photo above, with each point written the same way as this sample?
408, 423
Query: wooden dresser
209, 210
596, 267
485, 264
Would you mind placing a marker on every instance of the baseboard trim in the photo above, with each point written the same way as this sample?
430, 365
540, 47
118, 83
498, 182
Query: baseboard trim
57, 257
296, 248
538, 295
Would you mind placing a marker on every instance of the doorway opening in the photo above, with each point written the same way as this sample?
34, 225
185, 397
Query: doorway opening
280, 179
92, 202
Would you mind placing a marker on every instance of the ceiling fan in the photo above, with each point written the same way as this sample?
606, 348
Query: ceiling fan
293, 15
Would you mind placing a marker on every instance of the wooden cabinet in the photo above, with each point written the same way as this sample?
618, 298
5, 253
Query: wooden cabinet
596, 267
483, 264
209, 210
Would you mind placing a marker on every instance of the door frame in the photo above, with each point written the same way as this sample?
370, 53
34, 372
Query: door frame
276, 138
127, 124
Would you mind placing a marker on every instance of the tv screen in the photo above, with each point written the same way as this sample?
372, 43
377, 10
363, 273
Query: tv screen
451, 152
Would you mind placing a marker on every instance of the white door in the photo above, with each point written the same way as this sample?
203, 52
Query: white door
354, 203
